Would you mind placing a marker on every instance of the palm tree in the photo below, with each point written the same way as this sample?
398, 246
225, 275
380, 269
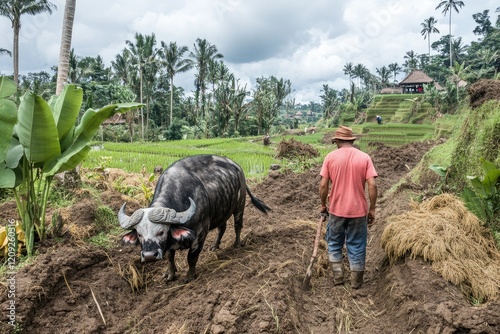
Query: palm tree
172, 59
348, 70
384, 74
203, 53
395, 69
142, 54
428, 28
121, 67
13, 10
411, 61
449, 6
64, 52
5, 51
359, 72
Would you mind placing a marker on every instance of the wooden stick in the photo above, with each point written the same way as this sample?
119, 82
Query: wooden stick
307, 280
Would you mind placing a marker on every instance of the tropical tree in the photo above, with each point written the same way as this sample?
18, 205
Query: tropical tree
40, 139
428, 28
13, 10
395, 69
484, 26
384, 74
349, 70
203, 53
142, 53
449, 6
459, 72
171, 56
121, 67
329, 101
268, 96
5, 51
65, 50
359, 71
411, 61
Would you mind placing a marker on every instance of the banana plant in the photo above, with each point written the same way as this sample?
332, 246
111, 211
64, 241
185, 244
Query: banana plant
40, 139
483, 198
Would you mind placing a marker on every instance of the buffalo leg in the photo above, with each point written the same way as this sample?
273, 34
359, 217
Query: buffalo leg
192, 259
238, 224
171, 268
220, 232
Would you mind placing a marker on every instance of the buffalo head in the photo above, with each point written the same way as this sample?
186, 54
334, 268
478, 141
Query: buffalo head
157, 229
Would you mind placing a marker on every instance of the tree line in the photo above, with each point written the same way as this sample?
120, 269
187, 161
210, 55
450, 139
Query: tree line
220, 106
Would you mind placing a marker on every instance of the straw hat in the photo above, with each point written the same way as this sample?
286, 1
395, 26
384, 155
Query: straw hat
343, 133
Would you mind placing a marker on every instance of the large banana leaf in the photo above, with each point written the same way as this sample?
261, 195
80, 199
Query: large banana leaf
14, 154
84, 133
37, 130
8, 119
7, 177
475, 204
65, 108
7, 87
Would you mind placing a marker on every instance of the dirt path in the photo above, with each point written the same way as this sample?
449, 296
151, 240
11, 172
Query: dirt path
255, 289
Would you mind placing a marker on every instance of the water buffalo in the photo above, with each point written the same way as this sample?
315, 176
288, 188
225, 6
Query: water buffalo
194, 195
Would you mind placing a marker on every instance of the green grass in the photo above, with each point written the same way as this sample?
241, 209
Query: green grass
249, 153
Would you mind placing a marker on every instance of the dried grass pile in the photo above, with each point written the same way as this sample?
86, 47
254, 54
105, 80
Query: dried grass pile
445, 233
295, 149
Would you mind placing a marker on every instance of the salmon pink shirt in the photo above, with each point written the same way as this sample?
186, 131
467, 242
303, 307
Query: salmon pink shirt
348, 169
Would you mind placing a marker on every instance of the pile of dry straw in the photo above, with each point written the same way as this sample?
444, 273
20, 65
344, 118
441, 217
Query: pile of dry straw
445, 233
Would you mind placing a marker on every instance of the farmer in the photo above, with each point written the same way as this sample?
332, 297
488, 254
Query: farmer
348, 170
379, 119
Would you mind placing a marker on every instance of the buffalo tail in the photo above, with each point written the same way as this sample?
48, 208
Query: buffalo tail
258, 203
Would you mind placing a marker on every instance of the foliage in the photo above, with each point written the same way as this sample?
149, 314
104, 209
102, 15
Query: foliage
478, 137
483, 198
40, 140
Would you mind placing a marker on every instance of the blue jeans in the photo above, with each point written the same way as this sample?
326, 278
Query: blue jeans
351, 231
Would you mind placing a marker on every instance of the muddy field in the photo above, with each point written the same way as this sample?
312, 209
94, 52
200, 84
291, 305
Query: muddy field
72, 287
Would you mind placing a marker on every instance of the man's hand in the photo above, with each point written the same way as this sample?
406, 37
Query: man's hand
324, 211
371, 216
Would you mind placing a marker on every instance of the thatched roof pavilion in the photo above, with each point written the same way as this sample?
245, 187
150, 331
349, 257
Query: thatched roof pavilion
415, 81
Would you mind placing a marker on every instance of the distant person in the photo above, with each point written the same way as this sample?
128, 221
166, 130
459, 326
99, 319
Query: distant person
348, 170
379, 119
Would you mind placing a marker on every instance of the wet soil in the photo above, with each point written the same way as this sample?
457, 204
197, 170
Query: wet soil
76, 287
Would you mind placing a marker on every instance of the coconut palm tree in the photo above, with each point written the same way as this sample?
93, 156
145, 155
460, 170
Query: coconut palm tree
384, 74
121, 67
203, 53
395, 69
359, 71
428, 28
348, 70
411, 61
64, 52
13, 10
449, 6
142, 54
5, 51
172, 58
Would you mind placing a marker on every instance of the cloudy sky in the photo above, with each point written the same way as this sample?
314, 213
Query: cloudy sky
307, 42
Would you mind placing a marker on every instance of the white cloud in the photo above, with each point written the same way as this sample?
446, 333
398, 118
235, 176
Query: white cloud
306, 42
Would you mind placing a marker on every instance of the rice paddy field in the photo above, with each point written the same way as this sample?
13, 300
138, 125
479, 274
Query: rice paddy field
249, 152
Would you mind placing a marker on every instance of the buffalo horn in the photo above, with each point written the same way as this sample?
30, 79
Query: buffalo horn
126, 221
170, 216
